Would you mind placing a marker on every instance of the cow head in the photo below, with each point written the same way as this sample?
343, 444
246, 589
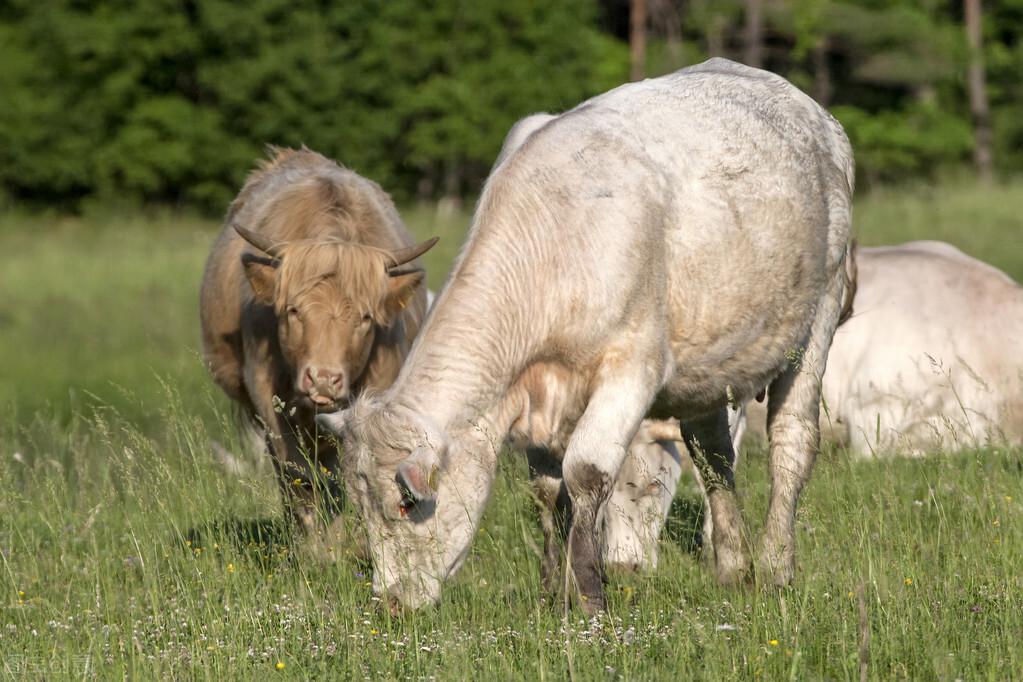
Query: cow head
419, 491
331, 298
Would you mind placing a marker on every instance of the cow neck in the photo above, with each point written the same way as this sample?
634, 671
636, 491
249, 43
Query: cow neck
475, 344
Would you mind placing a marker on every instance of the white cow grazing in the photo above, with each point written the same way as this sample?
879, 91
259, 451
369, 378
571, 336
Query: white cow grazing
660, 249
639, 504
933, 356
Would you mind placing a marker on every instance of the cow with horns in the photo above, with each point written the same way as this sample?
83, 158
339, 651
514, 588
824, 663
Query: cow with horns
311, 294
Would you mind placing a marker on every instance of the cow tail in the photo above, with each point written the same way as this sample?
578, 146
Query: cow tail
851, 277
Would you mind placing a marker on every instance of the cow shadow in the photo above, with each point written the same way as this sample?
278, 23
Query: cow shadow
267, 542
276, 542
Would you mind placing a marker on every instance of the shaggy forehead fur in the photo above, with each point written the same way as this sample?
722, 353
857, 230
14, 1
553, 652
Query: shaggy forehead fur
394, 430
318, 220
360, 272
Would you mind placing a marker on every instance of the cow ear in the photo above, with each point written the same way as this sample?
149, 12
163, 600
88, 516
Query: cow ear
401, 287
333, 422
417, 475
260, 272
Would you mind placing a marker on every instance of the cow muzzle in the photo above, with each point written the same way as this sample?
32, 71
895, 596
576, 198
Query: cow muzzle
325, 388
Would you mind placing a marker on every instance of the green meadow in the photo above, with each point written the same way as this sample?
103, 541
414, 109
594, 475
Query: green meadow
127, 551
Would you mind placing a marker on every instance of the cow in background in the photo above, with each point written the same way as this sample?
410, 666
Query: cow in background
932, 359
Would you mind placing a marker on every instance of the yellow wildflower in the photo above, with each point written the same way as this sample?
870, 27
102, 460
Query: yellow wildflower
230, 568
773, 642
908, 581
280, 665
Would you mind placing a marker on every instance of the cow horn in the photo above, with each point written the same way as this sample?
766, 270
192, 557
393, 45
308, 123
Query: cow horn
258, 241
410, 253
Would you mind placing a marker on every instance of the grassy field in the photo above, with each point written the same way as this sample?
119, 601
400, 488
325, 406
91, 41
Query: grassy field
127, 552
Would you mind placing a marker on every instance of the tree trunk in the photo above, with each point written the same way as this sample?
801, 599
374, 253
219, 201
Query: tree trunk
978, 91
666, 21
716, 36
451, 203
637, 39
427, 183
821, 73
754, 38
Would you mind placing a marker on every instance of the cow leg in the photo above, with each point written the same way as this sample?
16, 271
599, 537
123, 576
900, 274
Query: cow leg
737, 429
592, 460
294, 474
295, 478
793, 431
709, 442
554, 508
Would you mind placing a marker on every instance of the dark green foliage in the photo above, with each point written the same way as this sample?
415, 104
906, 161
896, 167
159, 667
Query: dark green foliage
896, 144
892, 71
171, 101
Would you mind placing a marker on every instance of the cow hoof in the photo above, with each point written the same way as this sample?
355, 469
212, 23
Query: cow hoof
775, 569
731, 565
732, 574
591, 605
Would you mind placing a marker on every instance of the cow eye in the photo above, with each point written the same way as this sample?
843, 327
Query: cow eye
406, 505
366, 319
293, 311
407, 502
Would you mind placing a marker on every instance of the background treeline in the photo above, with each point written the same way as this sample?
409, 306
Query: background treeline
170, 101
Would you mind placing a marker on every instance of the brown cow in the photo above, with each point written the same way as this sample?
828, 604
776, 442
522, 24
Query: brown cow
311, 294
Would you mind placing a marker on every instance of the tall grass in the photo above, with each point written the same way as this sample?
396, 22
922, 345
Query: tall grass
127, 552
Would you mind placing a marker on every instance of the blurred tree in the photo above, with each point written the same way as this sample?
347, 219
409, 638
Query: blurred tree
171, 101
890, 72
712, 20
637, 39
666, 20
753, 37
483, 66
1003, 60
978, 90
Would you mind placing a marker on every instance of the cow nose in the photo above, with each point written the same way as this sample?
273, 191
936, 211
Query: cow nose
324, 385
